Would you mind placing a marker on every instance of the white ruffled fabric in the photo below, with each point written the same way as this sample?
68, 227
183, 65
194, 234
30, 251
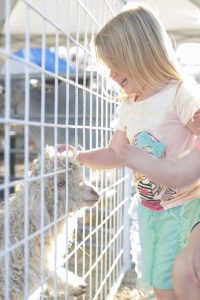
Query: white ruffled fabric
144, 289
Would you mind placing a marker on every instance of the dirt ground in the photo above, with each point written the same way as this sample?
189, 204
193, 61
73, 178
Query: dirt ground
128, 291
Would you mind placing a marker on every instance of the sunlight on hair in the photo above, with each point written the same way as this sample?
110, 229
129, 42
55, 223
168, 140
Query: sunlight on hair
97, 63
100, 67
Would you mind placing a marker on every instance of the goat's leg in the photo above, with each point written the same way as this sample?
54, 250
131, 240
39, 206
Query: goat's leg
67, 282
76, 285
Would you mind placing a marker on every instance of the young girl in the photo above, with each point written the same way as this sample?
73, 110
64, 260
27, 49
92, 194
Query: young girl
159, 115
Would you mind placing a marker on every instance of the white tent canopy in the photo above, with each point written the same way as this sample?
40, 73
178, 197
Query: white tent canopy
73, 18
68, 17
181, 17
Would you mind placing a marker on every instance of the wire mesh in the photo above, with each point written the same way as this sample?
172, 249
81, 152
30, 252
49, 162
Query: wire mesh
51, 93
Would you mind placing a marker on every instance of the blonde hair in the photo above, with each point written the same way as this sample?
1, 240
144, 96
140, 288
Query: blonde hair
135, 42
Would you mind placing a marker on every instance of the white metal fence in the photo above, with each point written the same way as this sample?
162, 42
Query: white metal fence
52, 93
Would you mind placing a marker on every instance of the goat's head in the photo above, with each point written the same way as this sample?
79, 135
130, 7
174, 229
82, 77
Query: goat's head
63, 183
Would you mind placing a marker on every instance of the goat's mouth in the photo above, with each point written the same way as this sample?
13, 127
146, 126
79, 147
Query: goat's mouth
91, 203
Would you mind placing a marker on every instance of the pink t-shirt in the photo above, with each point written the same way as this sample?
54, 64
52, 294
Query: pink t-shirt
158, 124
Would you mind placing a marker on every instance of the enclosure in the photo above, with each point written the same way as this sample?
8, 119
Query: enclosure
52, 92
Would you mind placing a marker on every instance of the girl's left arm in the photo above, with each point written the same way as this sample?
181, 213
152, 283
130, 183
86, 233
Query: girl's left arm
177, 173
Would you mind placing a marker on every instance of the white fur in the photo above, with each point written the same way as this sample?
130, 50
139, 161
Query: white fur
78, 193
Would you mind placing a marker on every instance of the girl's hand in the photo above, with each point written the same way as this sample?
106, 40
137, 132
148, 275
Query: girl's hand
64, 147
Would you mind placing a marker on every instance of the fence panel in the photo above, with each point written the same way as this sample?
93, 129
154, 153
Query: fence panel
51, 92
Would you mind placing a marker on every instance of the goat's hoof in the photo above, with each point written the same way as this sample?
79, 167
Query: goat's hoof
78, 288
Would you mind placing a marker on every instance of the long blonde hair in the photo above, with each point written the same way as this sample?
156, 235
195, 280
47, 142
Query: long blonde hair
135, 41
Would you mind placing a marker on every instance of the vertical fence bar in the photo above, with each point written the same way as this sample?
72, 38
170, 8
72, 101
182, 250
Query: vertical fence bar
26, 152
42, 145
6, 151
68, 45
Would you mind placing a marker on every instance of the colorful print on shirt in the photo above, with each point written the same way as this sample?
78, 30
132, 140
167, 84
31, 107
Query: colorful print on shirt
148, 189
147, 141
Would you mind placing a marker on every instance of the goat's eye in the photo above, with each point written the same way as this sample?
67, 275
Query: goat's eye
70, 165
61, 183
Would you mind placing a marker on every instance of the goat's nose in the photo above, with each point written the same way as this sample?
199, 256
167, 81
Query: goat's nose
95, 192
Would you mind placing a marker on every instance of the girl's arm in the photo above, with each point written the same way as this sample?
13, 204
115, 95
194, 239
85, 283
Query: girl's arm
103, 158
177, 173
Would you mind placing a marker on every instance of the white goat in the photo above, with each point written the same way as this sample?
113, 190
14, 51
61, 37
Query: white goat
68, 197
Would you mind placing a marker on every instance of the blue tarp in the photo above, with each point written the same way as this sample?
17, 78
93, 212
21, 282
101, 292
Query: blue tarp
35, 56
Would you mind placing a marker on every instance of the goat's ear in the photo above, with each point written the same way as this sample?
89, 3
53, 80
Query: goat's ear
35, 211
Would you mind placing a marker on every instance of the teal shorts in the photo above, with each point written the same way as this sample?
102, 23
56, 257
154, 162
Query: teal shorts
163, 234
